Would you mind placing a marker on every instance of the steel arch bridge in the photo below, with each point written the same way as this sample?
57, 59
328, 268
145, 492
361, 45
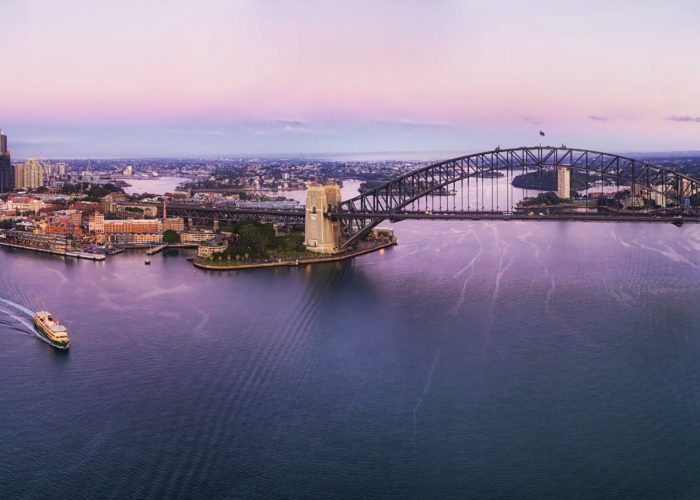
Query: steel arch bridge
358, 215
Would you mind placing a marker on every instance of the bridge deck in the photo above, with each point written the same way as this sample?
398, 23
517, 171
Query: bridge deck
585, 217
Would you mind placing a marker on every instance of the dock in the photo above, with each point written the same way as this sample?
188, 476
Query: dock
77, 255
86, 255
155, 250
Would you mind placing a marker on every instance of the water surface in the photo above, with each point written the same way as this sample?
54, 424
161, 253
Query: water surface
475, 359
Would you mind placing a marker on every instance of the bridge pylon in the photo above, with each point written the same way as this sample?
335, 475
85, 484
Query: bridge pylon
321, 234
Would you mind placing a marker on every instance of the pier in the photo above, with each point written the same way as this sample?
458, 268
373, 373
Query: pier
155, 250
63, 253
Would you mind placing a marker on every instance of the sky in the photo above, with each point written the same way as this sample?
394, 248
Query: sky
129, 78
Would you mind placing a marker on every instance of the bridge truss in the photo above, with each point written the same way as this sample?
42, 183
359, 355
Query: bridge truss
390, 200
234, 214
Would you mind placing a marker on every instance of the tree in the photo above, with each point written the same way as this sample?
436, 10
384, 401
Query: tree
170, 236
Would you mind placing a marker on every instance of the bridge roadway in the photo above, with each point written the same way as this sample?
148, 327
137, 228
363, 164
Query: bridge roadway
279, 215
298, 215
572, 216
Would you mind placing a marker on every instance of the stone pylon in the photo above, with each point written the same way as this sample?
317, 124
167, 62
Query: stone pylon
321, 234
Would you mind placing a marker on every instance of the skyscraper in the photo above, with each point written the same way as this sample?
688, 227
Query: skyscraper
19, 176
7, 173
33, 174
564, 183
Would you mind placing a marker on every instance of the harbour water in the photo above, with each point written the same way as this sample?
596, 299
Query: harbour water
503, 359
154, 185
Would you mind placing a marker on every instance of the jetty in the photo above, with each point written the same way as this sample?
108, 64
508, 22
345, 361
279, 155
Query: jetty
155, 250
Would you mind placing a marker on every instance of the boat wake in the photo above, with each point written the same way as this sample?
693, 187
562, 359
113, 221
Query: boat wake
21, 322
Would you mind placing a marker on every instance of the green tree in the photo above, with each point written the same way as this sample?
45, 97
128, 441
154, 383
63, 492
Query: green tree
170, 236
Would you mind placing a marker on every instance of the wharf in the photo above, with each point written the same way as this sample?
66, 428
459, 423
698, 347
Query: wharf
62, 253
86, 255
155, 250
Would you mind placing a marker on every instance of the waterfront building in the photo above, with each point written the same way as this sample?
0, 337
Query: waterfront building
174, 223
154, 238
56, 242
67, 222
128, 171
195, 236
130, 238
98, 225
210, 247
33, 174
133, 226
564, 183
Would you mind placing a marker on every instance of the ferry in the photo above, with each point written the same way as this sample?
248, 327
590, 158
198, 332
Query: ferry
50, 330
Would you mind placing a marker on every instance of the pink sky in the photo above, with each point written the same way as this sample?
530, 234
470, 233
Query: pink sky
350, 76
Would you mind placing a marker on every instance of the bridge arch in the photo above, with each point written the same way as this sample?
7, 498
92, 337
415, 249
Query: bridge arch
391, 197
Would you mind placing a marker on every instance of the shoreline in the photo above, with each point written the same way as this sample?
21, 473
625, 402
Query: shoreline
298, 262
74, 254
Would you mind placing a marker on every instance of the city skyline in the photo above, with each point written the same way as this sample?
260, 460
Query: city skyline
227, 78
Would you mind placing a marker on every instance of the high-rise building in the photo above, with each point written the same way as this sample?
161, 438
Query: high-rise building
33, 174
564, 183
7, 173
62, 169
19, 176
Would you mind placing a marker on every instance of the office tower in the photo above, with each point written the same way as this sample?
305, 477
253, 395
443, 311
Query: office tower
19, 176
7, 173
564, 183
33, 174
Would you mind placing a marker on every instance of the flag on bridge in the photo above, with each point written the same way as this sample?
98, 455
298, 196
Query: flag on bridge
541, 133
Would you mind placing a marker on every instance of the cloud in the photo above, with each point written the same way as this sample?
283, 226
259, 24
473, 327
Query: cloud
293, 129
532, 119
412, 124
289, 122
285, 126
685, 118
196, 132
41, 141
598, 118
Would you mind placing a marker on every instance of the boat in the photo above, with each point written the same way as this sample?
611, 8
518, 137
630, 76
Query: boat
148, 261
50, 330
